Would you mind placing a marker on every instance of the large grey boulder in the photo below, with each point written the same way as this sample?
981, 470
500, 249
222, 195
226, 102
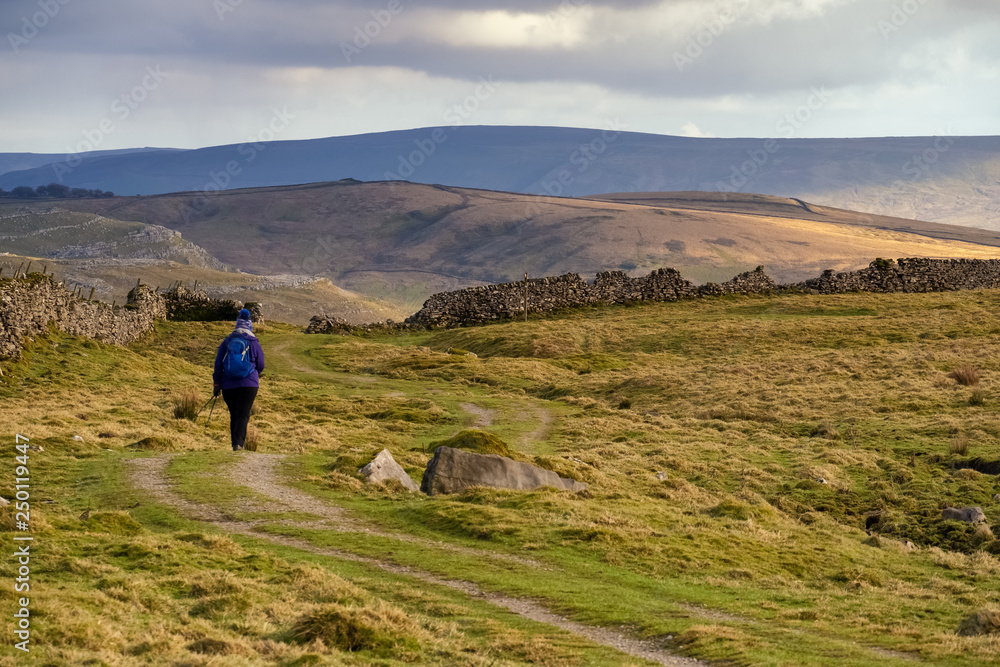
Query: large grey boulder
383, 468
966, 514
453, 470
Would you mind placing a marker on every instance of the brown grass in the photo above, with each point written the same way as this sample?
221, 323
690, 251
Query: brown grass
967, 376
983, 622
352, 628
959, 445
186, 404
252, 440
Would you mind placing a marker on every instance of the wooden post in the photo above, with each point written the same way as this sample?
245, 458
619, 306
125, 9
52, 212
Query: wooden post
525, 298
28, 270
21, 266
1, 272
91, 297
45, 268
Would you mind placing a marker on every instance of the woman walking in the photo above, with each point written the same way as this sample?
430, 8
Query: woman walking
238, 365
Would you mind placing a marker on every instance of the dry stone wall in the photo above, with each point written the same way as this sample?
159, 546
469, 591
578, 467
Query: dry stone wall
479, 305
908, 275
29, 305
193, 305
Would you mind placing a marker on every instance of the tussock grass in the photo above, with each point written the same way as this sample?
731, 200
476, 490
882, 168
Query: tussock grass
985, 622
187, 404
252, 441
381, 629
959, 445
967, 376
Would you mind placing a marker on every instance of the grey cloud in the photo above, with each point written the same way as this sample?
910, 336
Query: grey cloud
843, 47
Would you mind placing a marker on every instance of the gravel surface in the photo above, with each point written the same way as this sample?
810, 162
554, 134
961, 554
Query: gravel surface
541, 431
257, 471
484, 417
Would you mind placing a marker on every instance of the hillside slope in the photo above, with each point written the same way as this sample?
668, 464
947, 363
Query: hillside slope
766, 477
403, 242
942, 179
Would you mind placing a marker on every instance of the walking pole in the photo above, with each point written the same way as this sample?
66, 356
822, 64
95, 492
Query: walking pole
210, 412
204, 406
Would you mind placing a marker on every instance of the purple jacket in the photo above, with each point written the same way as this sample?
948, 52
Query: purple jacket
220, 379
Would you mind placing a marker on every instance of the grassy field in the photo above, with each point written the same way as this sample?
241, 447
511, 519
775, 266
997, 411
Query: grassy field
735, 449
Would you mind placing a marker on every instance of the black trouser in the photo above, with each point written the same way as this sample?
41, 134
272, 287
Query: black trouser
239, 401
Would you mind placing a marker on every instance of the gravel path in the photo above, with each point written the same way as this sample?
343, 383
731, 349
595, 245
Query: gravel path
541, 431
484, 417
149, 474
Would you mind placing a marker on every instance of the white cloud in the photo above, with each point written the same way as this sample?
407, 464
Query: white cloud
689, 129
504, 29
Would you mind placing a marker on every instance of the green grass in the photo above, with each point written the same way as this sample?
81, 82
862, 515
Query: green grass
744, 402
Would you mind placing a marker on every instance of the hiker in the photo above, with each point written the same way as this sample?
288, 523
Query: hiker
238, 365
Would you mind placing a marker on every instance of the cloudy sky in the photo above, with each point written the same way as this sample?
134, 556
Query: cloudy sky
76, 74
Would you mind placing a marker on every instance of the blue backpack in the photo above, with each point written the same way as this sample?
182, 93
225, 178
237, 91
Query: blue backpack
236, 363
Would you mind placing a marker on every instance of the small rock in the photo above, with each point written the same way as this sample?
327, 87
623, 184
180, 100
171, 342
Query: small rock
4, 502
996, 497
662, 476
383, 468
78, 438
821, 480
966, 514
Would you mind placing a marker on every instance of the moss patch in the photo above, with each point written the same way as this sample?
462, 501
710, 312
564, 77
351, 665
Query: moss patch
473, 440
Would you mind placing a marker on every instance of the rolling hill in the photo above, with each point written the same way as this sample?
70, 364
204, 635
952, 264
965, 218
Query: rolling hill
109, 255
942, 179
402, 242
23, 161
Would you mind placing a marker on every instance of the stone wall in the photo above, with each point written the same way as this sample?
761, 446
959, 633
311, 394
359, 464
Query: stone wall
29, 305
908, 275
194, 305
478, 305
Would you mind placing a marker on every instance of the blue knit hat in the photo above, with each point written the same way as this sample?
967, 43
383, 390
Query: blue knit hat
244, 314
